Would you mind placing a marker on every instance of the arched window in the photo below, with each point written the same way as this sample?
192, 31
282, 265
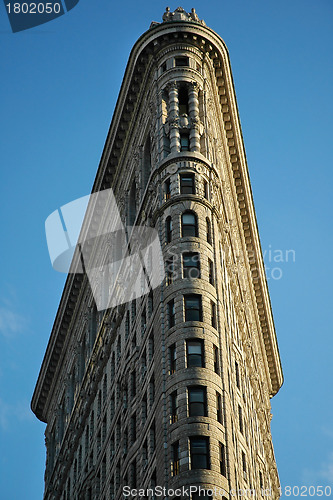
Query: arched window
189, 224
132, 205
146, 161
168, 229
209, 231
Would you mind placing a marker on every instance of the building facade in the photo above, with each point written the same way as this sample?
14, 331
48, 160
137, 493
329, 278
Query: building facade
173, 388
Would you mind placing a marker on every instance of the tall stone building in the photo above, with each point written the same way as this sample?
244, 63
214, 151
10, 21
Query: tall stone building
173, 388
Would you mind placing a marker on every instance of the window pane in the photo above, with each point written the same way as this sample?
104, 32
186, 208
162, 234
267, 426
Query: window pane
195, 353
184, 140
182, 61
186, 180
191, 265
197, 394
171, 310
188, 219
192, 307
168, 229
189, 224
199, 453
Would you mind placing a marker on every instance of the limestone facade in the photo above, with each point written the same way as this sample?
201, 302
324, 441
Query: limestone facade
173, 388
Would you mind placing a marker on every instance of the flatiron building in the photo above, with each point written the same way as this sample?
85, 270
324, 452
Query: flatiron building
172, 387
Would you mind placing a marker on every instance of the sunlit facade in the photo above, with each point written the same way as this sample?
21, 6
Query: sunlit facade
173, 388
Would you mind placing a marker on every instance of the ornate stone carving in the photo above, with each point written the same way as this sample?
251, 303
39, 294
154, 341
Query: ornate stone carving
181, 15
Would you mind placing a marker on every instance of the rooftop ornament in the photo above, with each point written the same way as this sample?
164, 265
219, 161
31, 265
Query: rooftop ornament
181, 15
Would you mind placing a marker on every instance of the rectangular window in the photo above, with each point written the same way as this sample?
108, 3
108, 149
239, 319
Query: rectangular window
175, 458
206, 496
127, 325
240, 419
151, 346
143, 364
195, 353
237, 375
125, 442
144, 409
184, 142
223, 469
112, 447
133, 310
197, 401
199, 452
112, 406
133, 428
169, 270
104, 429
216, 359
261, 483
143, 321
116, 478
219, 407
133, 383
145, 452
118, 433
172, 359
133, 474
152, 391
205, 188
181, 61
213, 313
150, 303
173, 407
125, 398
244, 464
211, 272
193, 308
191, 265
152, 438
171, 313
187, 185
167, 189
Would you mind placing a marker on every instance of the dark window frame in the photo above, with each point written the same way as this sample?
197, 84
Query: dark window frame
187, 183
168, 229
197, 408
171, 313
189, 229
191, 261
191, 357
199, 459
192, 311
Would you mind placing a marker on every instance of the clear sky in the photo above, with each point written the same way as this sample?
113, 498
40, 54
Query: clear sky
59, 84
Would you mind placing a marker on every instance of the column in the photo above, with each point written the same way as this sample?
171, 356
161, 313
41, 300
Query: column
173, 117
193, 106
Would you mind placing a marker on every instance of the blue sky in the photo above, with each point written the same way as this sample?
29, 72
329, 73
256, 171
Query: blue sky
59, 84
